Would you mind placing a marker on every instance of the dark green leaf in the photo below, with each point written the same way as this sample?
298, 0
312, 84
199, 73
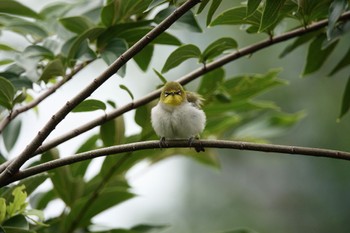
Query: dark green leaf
345, 61
316, 56
252, 6
202, 5
112, 132
336, 9
76, 24
33, 182
270, 13
147, 228
125, 88
345, 105
187, 21
16, 8
243, 230
90, 105
113, 50
108, 14
71, 48
135, 34
108, 198
154, 3
237, 16
11, 133
217, 48
17, 222
211, 81
160, 76
144, 57
37, 51
180, 55
7, 93
298, 42
5, 47
213, 7
53, 69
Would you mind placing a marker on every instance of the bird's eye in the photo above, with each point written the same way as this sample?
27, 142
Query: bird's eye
178, 93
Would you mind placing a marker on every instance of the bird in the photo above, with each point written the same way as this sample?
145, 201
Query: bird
178, 114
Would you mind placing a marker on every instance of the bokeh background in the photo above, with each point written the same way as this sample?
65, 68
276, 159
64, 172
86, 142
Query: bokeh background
260, 191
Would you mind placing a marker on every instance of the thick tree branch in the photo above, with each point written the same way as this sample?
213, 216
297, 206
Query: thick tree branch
131, 147
86, 92
186, 79
42, 97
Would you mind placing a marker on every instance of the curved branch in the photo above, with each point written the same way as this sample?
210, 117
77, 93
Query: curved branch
42, 97
86, 92
184, 80
154, 144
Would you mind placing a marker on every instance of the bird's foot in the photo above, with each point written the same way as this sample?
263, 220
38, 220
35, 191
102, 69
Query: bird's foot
198, 147
163, 143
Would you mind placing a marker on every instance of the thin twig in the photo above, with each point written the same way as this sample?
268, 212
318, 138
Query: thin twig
154, 144
42, 97
184, 80
86, 92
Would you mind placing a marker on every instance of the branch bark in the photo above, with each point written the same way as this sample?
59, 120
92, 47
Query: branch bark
154, 144
86, 92
184, 80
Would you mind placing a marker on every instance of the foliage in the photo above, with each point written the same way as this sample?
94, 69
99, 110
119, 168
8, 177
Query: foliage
62, 37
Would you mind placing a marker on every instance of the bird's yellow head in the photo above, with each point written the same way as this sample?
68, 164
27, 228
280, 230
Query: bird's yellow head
173, 94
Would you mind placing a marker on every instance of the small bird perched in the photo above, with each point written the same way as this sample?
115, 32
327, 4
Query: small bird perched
178, 114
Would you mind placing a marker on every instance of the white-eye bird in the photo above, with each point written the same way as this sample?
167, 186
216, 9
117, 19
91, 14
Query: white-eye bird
178, 114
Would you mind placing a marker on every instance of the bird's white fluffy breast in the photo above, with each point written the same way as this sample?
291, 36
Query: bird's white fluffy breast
183, 121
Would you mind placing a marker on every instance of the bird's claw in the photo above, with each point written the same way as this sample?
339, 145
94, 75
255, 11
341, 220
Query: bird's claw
198, 147
163, 143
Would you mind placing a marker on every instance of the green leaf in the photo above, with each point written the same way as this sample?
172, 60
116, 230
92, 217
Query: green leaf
154, 3
187, 21
345, 61
5, 47
7, 93
147, 228
217, 48
76, 24
336, 8
345, 105
2, 209
270, 13
144, 57
242, 230
298, 42
37, 51
316, 55
54, 68
11, 133
113, 50
108, 14
19, 204
135, 34
180, 55
252, 6
160, 76
6, 62
16, 224
108, 198
63, 180
33, 182
125, 88
211, 81
71, 48
237, 16
202, 5
213, 7
90, 105
16, 8
113, 132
